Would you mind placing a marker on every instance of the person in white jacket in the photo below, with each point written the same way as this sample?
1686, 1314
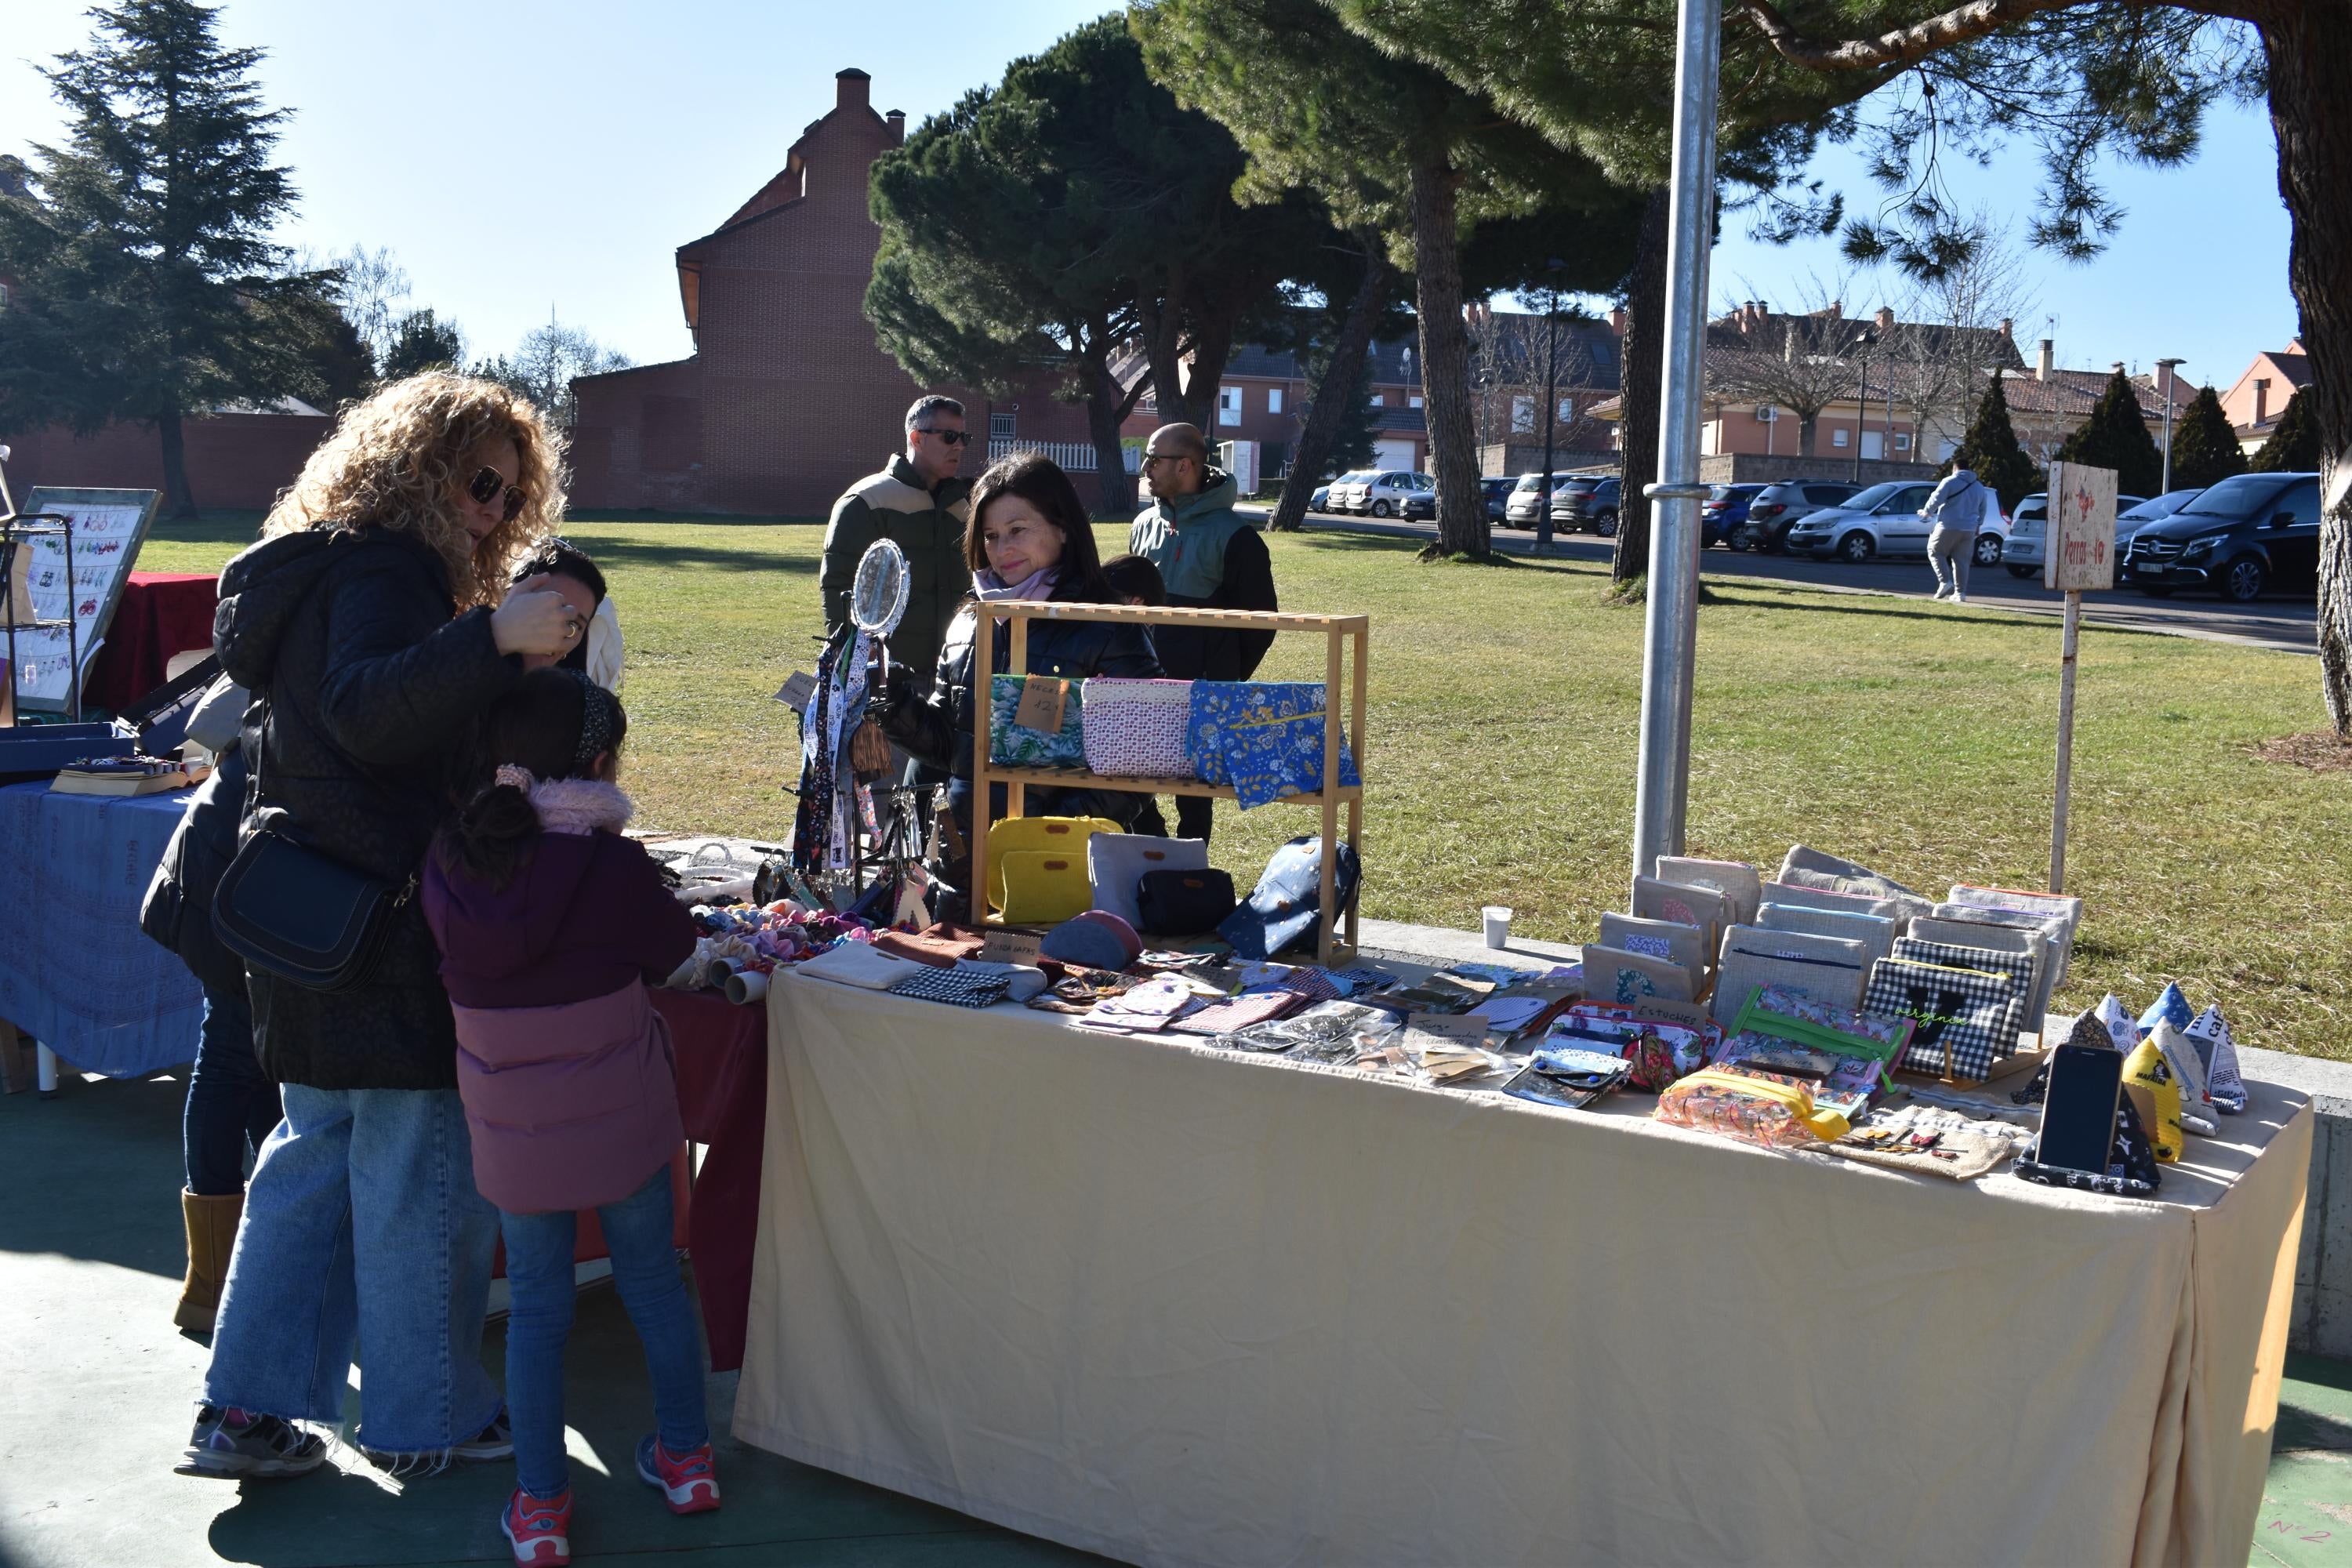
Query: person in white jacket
1960, 507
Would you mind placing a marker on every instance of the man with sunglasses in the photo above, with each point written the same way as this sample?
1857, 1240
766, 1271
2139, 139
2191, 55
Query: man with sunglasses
917, 501
1210, 558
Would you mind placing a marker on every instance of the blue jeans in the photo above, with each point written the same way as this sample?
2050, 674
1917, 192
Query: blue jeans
361, 1226
230, 1103
638, 1233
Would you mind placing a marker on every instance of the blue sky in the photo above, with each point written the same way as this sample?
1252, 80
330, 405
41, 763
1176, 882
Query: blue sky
521, 157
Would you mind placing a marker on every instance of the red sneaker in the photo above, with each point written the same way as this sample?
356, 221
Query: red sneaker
539, 1529
689, 1481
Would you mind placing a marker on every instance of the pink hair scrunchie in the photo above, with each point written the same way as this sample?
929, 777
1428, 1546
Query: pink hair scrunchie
511, 774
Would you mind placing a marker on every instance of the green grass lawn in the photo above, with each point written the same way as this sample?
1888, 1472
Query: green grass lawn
1500, 753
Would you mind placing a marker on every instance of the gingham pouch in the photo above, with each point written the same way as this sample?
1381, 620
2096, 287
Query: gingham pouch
1135, 729
2018, 966
1960, 1014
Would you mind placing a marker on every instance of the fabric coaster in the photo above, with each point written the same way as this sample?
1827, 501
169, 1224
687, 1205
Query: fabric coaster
956, 987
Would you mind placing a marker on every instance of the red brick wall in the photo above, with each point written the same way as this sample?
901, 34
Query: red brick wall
236, 461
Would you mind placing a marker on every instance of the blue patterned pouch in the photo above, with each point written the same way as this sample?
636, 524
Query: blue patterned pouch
1263, 737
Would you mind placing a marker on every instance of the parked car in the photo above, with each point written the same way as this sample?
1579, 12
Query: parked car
1420, 506
1319, 499
2028, 532
1348, 488
1772, 510
1881, 520
1527, 498
2244, 536
1498, 492
1383, 492
1587, 501
1725, 510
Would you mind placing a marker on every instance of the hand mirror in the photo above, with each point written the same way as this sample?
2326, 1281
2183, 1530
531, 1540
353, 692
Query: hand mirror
877, 596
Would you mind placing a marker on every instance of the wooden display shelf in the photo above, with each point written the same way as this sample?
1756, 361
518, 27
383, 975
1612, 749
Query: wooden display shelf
1339, 632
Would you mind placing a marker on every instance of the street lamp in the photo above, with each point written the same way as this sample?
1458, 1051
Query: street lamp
2171, 369
1861, 344
1551, 396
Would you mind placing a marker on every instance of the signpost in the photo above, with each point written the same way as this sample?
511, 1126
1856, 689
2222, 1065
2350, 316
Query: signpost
2080, 553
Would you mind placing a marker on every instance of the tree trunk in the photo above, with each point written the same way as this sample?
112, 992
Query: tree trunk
1809, 431
1162, 318
2310, 58
1462, 526
1330, 413
179, 501
1644, 362
1106, 411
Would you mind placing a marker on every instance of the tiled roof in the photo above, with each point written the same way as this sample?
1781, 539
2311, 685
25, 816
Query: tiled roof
1822, 332
2070, 393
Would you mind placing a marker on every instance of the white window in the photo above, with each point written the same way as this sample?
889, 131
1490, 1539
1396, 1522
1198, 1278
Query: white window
1567, 414
1874, 444
1273, 400
1003, 427
1229, 405
1523, 412
1841, 438
1413, 402
1903, 440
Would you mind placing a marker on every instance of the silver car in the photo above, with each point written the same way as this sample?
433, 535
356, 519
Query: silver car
2031, 532
1525, 502
1881, 520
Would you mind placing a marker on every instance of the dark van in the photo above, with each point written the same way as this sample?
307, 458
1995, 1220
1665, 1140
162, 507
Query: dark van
2245, 536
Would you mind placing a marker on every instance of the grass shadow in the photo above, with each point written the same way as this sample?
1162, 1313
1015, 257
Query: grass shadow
609, 552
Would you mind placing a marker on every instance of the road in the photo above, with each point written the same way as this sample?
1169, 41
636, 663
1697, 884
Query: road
2281, 624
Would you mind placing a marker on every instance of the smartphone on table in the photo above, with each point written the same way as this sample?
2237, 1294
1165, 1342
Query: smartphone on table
2078, 1119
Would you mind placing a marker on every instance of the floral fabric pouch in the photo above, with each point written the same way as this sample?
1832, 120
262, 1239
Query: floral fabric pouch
1263, 737
1014, 745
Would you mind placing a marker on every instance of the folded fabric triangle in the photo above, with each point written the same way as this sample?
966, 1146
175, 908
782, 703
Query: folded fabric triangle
2171, 1008
2211, 1035
2121, 1031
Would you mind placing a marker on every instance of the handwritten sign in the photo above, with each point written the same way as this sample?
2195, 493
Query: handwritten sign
108, 527
2080, 551
1043, 700
1011, 947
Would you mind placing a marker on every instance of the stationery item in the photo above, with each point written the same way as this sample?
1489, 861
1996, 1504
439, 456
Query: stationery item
1683, 904
1018, 733
1830, 969
1571, 1079
957, 987
1875, 932
2211, 1035
2040, 945
1670, 942
1179, 904
1052, 892
1135, 729
1286, 905
2154, 1092
1116, 864
1263, 737
1961, 1013
1771, 1109
1615, 975
1094, 939
855, 962
1012, 947
1737, 880
1509, 1015
2019, 966
1239, 1013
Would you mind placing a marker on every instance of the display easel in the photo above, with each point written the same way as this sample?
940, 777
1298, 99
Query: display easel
1337, 631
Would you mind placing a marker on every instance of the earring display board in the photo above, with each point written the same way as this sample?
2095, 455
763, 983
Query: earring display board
1339, 632
108, 527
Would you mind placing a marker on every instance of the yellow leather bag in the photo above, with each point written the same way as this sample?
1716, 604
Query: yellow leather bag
1037, 867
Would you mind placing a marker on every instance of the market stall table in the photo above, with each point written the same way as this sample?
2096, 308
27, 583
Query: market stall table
160, 614
722, 1096
1161, 1301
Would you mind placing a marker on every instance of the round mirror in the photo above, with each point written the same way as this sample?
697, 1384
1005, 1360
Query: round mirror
877, 598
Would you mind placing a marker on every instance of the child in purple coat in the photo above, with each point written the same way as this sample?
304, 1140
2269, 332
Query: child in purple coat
551, 925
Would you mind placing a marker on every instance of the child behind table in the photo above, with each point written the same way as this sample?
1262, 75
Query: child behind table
551, 926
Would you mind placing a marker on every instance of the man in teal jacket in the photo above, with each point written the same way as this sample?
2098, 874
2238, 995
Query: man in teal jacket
1210, 558
917, 500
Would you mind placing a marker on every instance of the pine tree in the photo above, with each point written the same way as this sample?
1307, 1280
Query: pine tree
2115, 437
421, 342
150, 288
1991, 450
2205, 450
2293, 446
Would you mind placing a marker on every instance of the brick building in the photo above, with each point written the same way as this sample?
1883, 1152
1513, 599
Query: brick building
2260, 395
238, 459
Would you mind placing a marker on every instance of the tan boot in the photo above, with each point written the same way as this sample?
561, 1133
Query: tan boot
211, 1234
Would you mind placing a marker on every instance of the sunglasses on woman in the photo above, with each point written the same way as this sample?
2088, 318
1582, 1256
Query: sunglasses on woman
485, 490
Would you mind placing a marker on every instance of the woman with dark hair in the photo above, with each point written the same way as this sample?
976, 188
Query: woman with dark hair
1029, 538
557, 566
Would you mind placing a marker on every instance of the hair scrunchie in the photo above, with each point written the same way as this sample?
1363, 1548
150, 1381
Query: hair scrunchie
512, 773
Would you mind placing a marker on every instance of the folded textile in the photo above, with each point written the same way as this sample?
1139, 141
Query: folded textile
1239, 1013
939, 946
958, 988
1264, 737
857, 964
1020, 981
2211, 1035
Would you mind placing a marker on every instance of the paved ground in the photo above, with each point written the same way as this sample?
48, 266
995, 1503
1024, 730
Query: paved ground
2286, 624
94, 1390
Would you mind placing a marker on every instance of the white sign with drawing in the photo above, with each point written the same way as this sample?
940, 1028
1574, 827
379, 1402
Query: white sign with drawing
108, 526
2079, 555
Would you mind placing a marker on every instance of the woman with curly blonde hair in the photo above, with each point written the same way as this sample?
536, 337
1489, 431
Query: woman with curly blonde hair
370, 627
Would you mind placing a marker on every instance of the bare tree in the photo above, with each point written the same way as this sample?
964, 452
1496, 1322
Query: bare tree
546, 362
1952, 332
1802, 362
373, 295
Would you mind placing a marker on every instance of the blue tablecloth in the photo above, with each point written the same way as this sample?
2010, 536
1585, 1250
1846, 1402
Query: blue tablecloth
76, 973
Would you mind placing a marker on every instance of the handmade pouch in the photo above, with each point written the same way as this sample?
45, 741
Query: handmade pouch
1014, 745
2041, 946
1066, 837
2018, 966
1816, 863
1734, 880
2156, 1095
1135, 729
1116, 863
1263, 737
1905, 906
1828, 969
1570, 1079
1792, 1016
1042, 886
1660, 1051
1670, 942
1875, 932
1960, 1012
1180, 903
1614, 974
1791, 895
1683, 904
2015, 907
1766, 1109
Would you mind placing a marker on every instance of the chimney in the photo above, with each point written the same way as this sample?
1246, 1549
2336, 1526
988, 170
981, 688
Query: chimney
2005, 325
1885, 319
853, 89
2046, 361
1836, 312
898, 123
1617, 320
2118, 367
2261, 398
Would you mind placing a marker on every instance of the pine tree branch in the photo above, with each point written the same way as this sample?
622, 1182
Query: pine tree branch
1905, 46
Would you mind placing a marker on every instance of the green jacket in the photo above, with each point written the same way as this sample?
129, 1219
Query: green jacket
1187, 539
928, 525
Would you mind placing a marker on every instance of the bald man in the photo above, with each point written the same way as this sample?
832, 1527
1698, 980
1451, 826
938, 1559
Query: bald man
1210, 559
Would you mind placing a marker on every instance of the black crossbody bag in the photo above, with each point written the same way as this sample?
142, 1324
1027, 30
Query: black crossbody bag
287, 909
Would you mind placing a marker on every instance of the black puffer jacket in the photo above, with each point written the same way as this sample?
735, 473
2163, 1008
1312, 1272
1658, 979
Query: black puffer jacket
367, 691
938, 727
178, 910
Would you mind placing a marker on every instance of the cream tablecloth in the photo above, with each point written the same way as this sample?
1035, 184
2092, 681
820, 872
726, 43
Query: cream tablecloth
1178, 1306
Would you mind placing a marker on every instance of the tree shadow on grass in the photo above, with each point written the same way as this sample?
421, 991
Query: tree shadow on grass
610, 553
1892, 609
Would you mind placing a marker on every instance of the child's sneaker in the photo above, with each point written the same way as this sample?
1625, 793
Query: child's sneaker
539, 1529
235, 1445
689, 1480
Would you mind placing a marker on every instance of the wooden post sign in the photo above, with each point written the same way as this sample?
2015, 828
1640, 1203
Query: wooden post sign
2079, 553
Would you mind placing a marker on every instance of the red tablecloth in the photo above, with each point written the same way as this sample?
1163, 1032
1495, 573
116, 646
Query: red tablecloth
723, 1091
162, 613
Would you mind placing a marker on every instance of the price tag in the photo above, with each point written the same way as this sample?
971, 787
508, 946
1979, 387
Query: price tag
796, 691
1043, 699
1011, 947
1443, 1032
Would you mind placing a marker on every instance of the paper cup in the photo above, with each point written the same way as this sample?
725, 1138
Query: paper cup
1499, 925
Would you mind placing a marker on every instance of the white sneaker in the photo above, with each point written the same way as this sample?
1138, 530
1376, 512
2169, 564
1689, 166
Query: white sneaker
1959, 597
1940, 592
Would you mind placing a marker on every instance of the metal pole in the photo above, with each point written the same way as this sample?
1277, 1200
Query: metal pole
2066, 740
2170, 366
1551, 377
1670, 629
1860, 411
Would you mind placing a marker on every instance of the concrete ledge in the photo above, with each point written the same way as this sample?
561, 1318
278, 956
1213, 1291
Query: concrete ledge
2322, 1324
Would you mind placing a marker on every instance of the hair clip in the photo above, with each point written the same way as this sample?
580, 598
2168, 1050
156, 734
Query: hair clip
515, 775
